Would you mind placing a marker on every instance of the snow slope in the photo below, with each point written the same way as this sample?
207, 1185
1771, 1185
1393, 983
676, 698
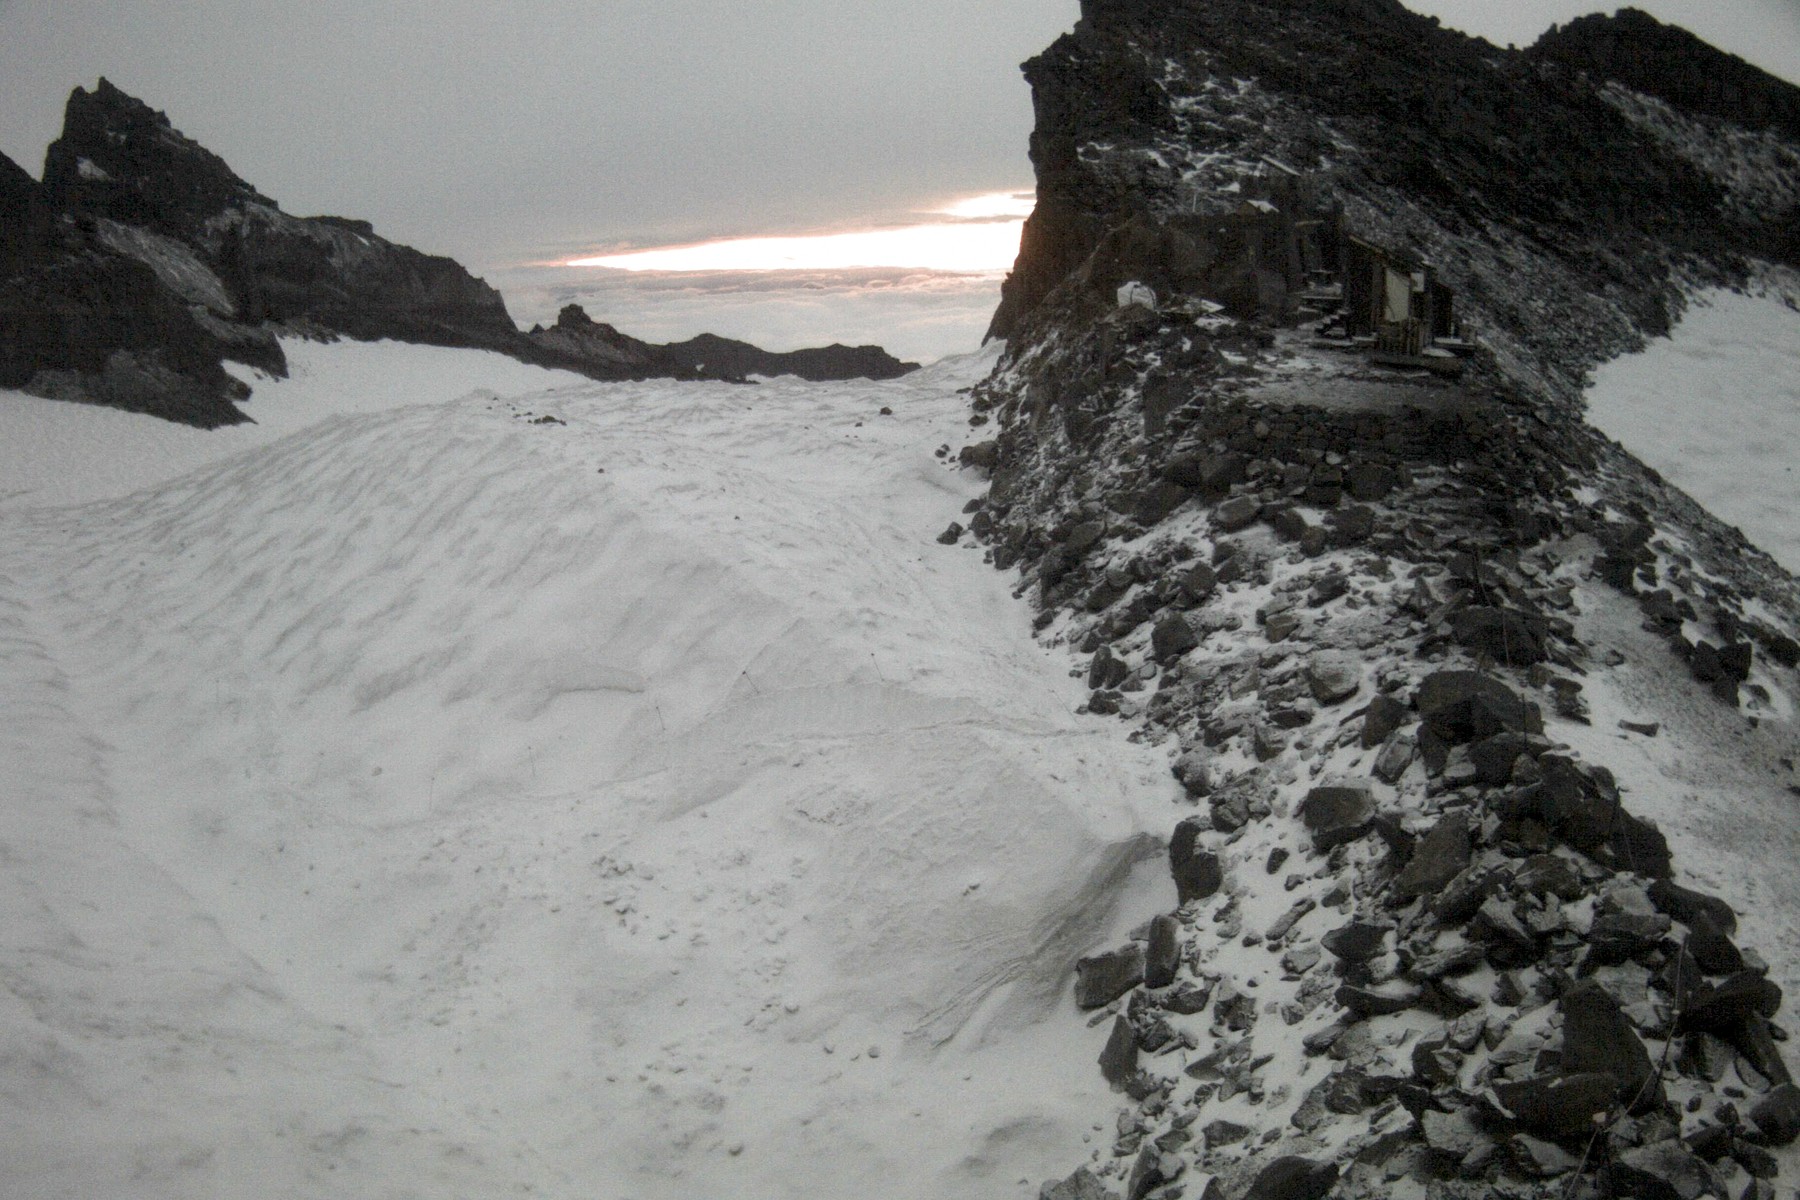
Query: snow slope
57, 453
1715, 408
443, 801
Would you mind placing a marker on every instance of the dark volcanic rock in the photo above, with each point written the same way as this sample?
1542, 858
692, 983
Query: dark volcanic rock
1686, 905
1437, 858
1337, 814
1384, 717
1082, 1185
1503, 634
1598, 1038
1777, 1116
1559, 1107
1664, 1171
1197, 871
1103, 978
1162, 954
1294, 1178
1463, 706
1358, 941
1722, 1009
1119, 1057
1172, 637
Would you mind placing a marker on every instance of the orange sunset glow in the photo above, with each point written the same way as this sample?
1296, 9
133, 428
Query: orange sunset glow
974, 235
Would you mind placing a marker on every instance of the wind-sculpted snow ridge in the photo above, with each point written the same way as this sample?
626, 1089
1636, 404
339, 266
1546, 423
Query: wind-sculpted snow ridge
611, 790
1489, 733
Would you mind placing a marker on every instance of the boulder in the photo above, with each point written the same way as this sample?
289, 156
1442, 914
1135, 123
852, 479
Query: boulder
1351, 526
1754, 1039
1333, 678
1338, 813
1359, 941
1463, 706
1237, 513
1637, 845
981, 456
1735, 660
1384, 716
1382, 1001
1598, 1038
1453, 1134
1777, 1116
1558, 1107
1107, 670
1224, 1133
1119, 1058
1162, 954
1715, 952
1198, 583
1463, 896
1494, 757
1197, 871
1665, 1170
1685, 905
1103, 978
1082, 1185
1437, 858
1084, 536
1152, 1169
1371, 482
1505, 635
1395, 757
1549, 875
1508, 941
1724, 1008
1288, 524
1208, 474
1156, 502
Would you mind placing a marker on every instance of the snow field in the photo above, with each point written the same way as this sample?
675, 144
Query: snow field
1715, 408
439, 802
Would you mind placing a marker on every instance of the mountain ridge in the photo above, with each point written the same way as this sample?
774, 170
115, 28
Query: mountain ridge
141, 263
1286, 441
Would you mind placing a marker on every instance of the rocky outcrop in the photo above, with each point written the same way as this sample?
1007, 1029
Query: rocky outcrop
142, 263
1437, 951
1427, 138
580, 342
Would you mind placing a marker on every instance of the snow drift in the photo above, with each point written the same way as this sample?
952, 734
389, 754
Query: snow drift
609, 791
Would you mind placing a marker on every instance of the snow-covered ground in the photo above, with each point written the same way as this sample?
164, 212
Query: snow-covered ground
1716, 409
57, 453
449, 800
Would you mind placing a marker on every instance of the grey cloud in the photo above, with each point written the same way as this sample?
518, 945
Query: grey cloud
503, 131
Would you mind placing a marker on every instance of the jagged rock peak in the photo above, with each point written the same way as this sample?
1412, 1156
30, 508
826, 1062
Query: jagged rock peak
119, 158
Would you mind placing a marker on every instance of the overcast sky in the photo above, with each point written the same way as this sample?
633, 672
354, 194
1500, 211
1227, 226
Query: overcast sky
506, 131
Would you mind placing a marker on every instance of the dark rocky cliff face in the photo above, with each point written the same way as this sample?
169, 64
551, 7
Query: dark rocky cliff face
1424, 134
1318, 509
142, 263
